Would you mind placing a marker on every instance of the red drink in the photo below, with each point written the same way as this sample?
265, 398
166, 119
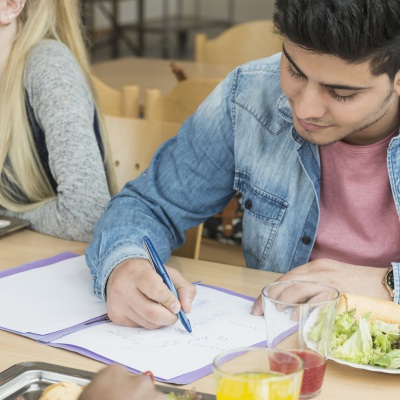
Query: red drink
314, 371
283, 363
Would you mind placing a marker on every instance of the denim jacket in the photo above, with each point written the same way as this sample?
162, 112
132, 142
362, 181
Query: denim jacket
241, 139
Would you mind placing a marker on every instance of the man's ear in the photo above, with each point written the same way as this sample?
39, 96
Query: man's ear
397, 83
11, 11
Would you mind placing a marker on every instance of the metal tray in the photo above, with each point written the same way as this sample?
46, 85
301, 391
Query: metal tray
8, 224
27, 380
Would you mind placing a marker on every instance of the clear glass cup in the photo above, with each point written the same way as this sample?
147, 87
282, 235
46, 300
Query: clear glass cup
257, 373
299, 317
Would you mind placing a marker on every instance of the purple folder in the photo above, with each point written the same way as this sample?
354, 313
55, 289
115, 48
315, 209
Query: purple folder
47, 339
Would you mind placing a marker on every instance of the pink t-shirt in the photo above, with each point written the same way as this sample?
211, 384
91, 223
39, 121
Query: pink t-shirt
358, 223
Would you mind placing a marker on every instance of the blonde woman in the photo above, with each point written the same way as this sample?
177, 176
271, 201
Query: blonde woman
54, 168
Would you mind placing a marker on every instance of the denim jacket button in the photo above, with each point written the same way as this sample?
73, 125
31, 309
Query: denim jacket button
306, 239
248, 204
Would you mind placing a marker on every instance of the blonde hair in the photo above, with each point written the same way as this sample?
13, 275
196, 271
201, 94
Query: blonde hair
20, 166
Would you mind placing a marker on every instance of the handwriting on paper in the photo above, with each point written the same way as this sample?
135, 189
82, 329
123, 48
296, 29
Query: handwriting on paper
219, 320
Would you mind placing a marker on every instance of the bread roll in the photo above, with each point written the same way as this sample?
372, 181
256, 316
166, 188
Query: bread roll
381, 310
62, 391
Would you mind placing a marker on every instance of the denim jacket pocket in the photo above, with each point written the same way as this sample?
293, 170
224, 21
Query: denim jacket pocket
263, 214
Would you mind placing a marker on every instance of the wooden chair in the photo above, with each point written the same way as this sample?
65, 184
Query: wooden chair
117, 103
180, 102
177, 106
239, 44
133, 143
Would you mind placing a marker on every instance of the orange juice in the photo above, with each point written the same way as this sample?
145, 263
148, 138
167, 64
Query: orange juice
258, 386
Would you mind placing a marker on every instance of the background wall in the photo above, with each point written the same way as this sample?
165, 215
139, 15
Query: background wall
245, 10
157, 45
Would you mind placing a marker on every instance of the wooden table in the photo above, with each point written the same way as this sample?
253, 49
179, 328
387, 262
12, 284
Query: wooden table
341, 382
150, 73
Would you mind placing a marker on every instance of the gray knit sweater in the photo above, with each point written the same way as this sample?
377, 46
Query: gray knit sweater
63, 106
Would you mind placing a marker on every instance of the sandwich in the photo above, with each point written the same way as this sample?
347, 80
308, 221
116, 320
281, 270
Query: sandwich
381, 310
72, 391
62, 391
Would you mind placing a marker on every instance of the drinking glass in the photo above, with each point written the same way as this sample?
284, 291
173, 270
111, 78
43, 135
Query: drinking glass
257, 373
299, 317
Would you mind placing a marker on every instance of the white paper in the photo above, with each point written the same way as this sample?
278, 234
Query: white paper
47, 299
219, 320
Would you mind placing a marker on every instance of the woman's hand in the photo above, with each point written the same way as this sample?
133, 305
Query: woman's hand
115, 383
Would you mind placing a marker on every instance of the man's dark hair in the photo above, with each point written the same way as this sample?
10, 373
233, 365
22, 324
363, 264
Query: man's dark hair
354, 30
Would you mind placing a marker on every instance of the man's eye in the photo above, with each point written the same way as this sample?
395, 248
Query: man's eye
342, 98
294, 73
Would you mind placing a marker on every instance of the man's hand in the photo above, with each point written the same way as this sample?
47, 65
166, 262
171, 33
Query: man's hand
347, 278
137, 296
114, 382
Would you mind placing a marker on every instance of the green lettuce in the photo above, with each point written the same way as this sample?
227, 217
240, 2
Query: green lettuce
366, 342
187, 395
389, 360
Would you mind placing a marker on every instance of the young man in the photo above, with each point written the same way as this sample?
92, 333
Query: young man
310, 139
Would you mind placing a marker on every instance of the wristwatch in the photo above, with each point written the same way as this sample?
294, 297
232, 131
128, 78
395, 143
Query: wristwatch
388, 281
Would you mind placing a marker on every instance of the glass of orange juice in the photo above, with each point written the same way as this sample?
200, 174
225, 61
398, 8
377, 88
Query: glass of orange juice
257, 373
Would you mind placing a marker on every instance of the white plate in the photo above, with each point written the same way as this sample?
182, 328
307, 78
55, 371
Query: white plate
374, 368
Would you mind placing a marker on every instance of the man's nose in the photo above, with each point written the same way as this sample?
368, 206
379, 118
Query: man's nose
310, 103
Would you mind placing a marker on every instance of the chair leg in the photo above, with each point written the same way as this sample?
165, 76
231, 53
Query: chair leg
227, 216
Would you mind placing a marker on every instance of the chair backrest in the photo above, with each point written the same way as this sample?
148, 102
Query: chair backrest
133, 143
239, 44
180, 102
117, 103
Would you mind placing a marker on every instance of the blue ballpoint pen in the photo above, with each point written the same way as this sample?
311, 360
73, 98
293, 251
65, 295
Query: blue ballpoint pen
159, 268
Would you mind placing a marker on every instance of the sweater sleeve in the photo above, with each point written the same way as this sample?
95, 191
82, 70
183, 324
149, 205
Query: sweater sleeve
64, 108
